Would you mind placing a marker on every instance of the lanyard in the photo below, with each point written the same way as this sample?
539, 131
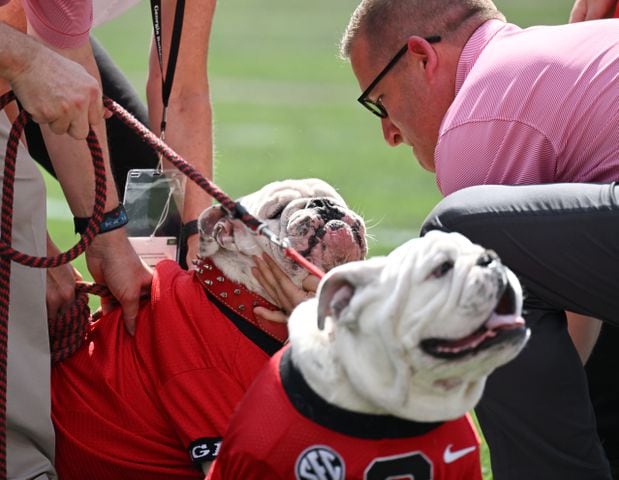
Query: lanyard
168, 79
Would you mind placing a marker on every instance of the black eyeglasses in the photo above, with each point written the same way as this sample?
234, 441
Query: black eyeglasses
373, 106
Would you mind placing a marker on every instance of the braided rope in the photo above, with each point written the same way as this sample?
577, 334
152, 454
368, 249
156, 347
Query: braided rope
234, 208
8, 254
68, 332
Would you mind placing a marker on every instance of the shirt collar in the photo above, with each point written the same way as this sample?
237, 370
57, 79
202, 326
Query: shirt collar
473, 48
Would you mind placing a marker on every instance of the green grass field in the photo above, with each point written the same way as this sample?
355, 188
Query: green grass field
284, 106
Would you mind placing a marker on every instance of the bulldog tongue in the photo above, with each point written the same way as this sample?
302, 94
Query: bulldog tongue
499, 321
489, 330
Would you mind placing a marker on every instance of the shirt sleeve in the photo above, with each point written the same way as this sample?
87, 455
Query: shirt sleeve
60, 23
493, 152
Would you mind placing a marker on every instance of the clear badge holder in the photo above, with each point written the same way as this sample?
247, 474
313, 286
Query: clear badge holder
153, 200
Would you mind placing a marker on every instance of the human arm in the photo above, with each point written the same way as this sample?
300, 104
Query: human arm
110, 258
60, 288
189, 117
53, 89
281, 289
592, 9
584, 332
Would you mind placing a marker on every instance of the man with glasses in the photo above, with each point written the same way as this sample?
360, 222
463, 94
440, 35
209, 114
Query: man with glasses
481, 101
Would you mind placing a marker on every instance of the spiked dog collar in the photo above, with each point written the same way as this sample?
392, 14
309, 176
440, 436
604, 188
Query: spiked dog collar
239, 299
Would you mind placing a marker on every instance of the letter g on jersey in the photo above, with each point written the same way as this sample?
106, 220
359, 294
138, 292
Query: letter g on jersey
320, 462
204, 449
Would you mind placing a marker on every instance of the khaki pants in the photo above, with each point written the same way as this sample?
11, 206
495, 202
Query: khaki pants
30, 435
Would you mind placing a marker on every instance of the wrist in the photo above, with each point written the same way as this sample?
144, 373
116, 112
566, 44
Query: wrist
189, 229
112, 220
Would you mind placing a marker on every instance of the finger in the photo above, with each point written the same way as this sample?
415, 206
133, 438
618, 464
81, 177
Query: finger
579, 12
77, 275
310, 283
264, 275
107, 304
79, 129
270, 315
60, 125
96, 112
130, 312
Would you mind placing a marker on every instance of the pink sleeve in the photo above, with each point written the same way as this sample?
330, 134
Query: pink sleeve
493, 152
60, 23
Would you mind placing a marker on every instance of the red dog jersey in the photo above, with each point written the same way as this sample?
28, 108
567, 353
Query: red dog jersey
284, 430
144, 407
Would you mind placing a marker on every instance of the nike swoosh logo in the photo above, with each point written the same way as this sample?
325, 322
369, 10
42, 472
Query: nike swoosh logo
450, 455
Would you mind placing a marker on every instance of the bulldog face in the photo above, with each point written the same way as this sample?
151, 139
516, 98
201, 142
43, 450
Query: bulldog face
309, 212
417, 332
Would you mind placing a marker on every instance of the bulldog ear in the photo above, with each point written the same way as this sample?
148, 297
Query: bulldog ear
335, 295
340, 285
215, 229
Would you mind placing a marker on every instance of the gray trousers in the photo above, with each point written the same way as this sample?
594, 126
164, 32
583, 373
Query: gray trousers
30, 435
562, 241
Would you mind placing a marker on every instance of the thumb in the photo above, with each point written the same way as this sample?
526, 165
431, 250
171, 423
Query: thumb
270, 315
130, 312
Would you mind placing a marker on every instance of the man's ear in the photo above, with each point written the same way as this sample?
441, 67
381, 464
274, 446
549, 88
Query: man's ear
424, 54
339, 286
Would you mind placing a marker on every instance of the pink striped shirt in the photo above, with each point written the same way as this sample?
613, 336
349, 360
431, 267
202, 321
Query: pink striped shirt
61, 23
535, 105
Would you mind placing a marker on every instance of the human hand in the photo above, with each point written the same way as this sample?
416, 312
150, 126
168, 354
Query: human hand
193, 248
59, 92
592, 9
112, 261
280, 288
60, 288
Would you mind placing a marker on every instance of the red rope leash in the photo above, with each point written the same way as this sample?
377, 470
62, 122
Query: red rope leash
8, 254
68, 332
234, 209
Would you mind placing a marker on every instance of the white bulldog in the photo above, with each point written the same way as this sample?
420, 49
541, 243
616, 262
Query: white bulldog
308, 212
197, 346
413, 334
381, 369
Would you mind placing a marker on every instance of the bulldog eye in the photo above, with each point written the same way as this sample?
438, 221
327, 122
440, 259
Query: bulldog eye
442, 269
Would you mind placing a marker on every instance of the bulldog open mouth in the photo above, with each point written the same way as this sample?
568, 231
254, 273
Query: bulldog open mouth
503, 325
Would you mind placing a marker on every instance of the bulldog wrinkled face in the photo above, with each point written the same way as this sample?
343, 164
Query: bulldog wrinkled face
434, 318
309, 212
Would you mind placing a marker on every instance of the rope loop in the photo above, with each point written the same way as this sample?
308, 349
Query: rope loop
6, 251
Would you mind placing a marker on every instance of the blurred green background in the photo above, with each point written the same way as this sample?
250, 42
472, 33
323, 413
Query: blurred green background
284, 107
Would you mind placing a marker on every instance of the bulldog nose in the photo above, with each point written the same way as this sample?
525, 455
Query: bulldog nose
487, 258
320, 203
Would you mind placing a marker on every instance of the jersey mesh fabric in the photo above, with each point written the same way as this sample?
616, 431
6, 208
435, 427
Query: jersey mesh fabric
129, 407
268, 436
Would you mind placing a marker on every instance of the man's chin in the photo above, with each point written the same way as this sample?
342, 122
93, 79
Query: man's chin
426, 160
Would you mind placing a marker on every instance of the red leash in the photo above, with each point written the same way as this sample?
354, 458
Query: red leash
68, 332
8, 254
233, 208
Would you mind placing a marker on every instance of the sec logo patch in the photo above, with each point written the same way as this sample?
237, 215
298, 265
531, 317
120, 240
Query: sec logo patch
320, 462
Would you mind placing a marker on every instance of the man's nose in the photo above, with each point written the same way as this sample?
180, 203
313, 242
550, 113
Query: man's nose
391, 133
